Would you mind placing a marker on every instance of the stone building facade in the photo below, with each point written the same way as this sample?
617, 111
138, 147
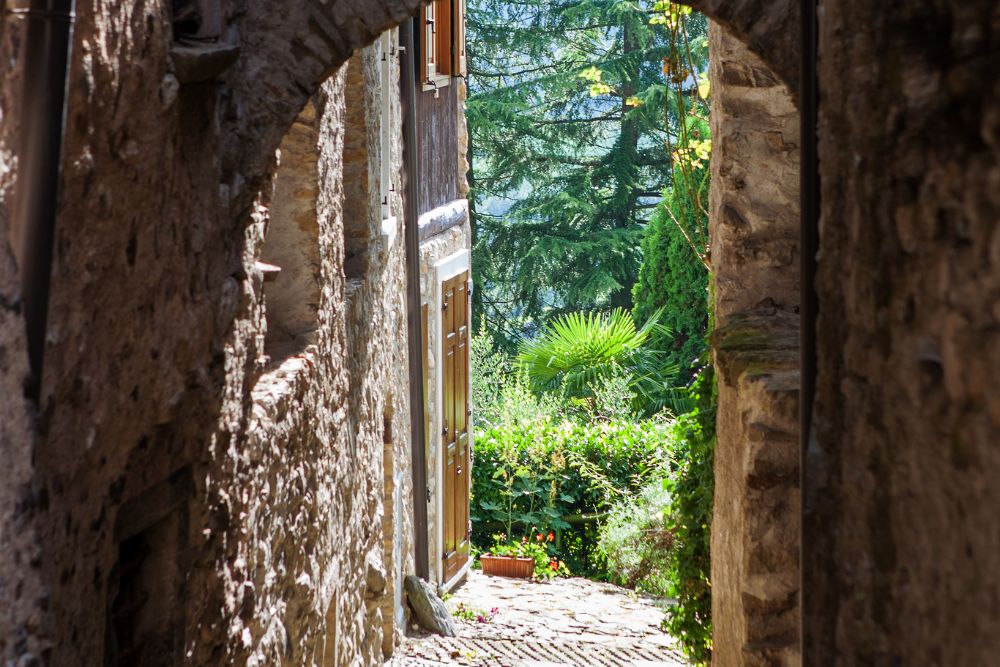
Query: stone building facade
218, 469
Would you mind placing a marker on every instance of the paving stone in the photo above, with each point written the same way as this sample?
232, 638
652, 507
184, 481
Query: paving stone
559, 623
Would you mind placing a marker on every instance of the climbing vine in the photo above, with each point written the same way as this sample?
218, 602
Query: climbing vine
686, 110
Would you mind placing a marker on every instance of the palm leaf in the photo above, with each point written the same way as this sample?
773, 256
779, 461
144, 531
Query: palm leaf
577, 350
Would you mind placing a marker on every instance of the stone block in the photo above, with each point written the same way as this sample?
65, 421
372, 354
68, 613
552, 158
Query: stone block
430, 611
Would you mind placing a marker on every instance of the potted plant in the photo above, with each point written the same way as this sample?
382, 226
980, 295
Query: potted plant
525, 559
508, 566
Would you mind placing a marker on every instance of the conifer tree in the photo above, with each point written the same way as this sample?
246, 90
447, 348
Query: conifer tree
568, 143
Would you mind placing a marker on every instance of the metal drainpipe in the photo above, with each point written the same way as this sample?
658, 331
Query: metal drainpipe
46, 60
809, 203
412, 240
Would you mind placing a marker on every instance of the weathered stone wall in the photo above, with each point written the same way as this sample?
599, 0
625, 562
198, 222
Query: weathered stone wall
900, 551
154, 429
310, 559
903, 547
754, 250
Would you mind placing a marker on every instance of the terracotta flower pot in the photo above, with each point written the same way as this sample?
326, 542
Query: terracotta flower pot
508, 566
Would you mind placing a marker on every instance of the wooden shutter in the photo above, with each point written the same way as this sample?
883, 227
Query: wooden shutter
455, 413
430, 41
427, 365
443, 36
386, 64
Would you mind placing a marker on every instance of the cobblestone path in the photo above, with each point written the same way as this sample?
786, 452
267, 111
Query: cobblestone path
562, 623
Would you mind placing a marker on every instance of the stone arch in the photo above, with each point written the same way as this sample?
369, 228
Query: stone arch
753, 230
769, 28
287, 50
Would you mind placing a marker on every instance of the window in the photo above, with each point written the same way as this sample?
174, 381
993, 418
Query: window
443, 41
443, 36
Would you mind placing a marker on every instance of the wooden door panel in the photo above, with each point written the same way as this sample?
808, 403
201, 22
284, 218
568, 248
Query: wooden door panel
448, 422
455, 417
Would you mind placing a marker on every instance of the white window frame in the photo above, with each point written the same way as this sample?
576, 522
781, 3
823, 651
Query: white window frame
459, 41
387, 61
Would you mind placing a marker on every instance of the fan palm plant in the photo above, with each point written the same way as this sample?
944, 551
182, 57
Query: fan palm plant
578, 350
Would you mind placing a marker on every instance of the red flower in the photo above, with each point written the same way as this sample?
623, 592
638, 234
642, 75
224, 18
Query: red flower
552, 536
540, 537
554, 565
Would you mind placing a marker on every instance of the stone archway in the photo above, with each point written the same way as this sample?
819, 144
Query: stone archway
900, 545
754, 234
768, 28
754, 221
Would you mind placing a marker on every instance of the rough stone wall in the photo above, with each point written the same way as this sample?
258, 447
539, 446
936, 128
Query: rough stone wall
754, 249
148, 429
903, 546
389, 249
309, 560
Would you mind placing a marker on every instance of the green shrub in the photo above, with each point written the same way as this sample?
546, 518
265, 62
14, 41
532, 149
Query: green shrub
502, 395
673, 286
636, 542
544, 475
690, 485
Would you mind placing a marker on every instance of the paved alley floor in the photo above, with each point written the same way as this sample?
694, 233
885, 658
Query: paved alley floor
561, 623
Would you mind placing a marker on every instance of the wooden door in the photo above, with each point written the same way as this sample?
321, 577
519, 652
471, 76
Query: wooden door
455, 422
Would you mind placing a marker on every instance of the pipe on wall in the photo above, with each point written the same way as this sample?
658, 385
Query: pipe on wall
46, 61
809, 194
413, 319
